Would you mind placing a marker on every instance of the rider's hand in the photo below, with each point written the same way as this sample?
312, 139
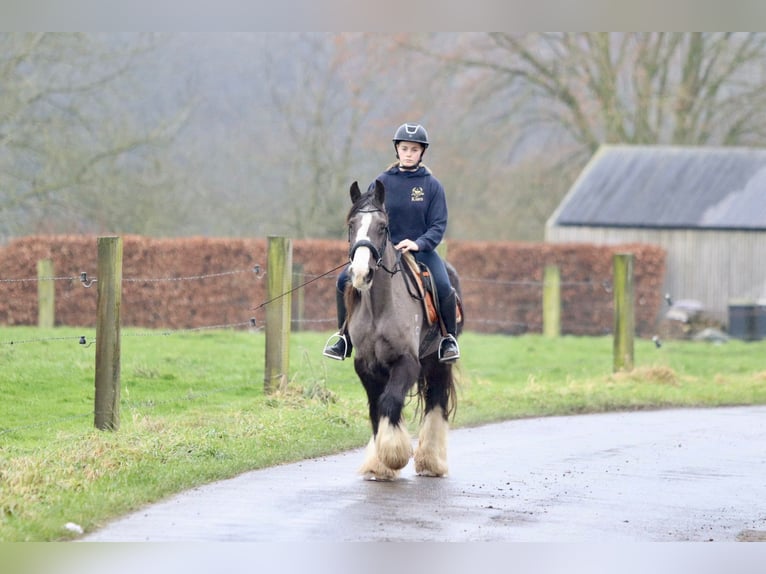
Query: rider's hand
406, 245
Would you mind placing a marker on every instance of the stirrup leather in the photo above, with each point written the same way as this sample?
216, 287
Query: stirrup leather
342, 337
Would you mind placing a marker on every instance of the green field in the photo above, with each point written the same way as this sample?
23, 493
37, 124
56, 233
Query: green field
193, 408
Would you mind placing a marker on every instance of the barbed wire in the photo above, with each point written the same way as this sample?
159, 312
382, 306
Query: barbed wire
252, 323
83, 340
325, 320
83, 278
28, 279
256, 270
606, 285
87, 282
39, 340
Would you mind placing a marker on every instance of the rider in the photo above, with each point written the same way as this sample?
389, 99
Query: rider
417, 209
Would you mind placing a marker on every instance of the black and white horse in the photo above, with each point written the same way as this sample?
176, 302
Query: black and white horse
392, 337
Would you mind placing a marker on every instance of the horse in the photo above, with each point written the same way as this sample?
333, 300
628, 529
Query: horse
396, 347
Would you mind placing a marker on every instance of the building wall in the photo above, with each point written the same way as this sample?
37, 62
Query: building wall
713, 267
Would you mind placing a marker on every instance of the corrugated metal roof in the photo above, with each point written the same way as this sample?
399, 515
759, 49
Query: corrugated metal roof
669, 187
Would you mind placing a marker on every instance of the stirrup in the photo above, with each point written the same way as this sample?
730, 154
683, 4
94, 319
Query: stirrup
448, 359
342, 337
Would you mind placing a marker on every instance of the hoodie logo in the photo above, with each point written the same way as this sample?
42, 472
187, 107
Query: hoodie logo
417, 194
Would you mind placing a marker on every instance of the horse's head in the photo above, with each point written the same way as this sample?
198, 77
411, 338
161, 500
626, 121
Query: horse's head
367, 234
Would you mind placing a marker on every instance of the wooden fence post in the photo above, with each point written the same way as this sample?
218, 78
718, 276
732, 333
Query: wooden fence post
46, 294
109, 276
552, 301
624, 316
279, 280
298, 305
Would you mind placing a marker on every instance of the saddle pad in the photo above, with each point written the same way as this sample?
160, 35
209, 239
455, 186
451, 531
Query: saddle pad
426, 295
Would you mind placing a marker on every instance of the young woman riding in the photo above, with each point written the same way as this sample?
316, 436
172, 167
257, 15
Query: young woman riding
417, 209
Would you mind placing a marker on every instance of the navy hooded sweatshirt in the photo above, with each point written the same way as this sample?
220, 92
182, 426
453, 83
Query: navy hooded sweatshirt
416, 206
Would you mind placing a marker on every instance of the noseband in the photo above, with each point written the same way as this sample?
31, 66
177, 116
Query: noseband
377, 253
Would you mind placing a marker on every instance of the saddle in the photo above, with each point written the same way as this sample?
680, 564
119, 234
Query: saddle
419, 278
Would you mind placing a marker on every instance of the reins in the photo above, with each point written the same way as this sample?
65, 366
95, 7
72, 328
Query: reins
301, 286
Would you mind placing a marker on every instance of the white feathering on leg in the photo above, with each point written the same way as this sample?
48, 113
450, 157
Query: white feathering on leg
431, 454
393, 444
372, 468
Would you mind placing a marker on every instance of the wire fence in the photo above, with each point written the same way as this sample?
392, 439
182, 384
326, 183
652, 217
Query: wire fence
593, 298
580, 299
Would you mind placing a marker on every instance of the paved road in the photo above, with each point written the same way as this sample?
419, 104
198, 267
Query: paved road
674, 475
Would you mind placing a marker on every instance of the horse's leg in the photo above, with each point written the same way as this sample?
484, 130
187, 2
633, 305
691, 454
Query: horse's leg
372, 468
431, 453
392, 441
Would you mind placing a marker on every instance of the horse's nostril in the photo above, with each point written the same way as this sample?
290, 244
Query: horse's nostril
361, 279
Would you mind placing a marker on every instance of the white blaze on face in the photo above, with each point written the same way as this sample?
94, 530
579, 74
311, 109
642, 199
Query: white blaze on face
360, 264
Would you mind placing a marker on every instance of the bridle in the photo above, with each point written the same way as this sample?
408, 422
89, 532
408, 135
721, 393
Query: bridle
377, 252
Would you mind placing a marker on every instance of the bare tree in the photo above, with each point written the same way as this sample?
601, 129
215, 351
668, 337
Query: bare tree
320, 101
340, 98
643, 88
534, 107
77, 137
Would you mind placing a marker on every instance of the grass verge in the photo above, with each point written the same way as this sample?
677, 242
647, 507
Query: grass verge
193, 408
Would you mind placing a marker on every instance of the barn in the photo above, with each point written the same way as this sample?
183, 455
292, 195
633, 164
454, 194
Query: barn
705, 205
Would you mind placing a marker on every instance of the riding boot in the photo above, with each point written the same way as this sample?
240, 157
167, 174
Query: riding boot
448, 348
341, 348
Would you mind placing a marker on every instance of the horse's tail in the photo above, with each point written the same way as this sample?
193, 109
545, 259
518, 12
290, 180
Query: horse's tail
437, 380
454, 278
451, 393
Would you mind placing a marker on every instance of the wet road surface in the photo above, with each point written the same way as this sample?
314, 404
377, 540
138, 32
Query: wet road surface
673, 475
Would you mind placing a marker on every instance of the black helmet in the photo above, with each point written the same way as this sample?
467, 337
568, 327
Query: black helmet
411, 133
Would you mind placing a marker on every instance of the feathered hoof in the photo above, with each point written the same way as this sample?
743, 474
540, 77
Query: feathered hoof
387, 475
373, 469
431, 454
429, 466
393, 444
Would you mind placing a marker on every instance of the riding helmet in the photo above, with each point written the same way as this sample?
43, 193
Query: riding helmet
411, 133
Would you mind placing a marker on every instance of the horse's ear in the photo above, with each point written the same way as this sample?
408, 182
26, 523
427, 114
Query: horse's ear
355, 193
380, 192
